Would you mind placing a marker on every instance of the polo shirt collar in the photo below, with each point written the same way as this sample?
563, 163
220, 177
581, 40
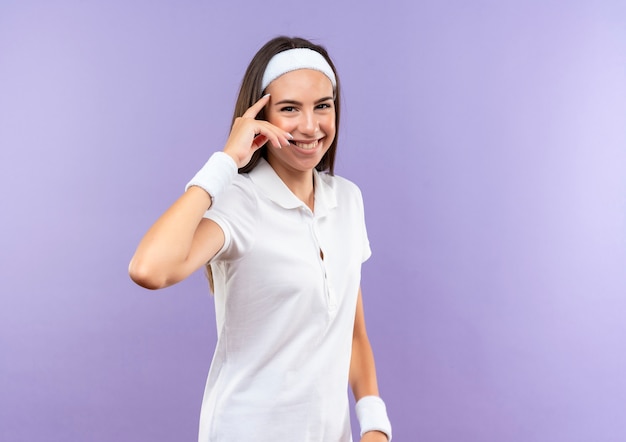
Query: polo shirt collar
270, 184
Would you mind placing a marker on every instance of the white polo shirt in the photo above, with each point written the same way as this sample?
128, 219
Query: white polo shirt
286, 285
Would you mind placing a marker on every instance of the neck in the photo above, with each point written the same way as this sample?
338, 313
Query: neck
302, 188
299, 182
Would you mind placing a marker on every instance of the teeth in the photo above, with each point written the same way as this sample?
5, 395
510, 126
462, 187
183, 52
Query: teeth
312, 145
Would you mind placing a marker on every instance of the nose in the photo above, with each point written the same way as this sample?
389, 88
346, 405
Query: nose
309, 124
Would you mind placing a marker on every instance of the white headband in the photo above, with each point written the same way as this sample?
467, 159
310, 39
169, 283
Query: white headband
294, 59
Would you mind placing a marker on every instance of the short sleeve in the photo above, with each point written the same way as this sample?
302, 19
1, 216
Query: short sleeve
235, 211
366, 250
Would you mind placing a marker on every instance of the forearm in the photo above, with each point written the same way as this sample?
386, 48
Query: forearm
365, 386
363, 380
161, 256
370, 408
181, 241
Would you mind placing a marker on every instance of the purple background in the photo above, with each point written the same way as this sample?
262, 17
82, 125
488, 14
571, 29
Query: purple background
488, 137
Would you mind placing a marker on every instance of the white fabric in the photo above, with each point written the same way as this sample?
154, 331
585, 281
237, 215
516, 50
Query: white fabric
285, 316
372, 415
216, 175
294, 59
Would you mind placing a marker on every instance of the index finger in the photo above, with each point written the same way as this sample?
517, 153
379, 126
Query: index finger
256, 107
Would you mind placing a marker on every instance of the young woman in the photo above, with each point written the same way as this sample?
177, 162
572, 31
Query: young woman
284, 240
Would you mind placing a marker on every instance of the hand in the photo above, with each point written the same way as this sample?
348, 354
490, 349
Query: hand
248, 134
374, 436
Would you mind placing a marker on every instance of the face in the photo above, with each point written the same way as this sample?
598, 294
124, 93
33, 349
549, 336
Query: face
302, 104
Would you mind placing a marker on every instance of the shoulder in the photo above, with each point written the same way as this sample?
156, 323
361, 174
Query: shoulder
238, 200
343, 187
241, 189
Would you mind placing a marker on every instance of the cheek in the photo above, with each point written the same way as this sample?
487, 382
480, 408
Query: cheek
328, 124
286, 124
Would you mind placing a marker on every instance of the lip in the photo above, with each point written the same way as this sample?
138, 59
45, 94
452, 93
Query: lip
307, 146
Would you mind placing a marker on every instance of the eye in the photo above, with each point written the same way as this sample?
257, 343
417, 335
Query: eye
324, 106
288, 109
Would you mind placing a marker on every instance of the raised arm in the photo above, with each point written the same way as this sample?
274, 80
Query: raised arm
178, 243
181, 240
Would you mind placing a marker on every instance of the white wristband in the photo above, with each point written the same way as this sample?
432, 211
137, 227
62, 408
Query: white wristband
372, 415
216, 175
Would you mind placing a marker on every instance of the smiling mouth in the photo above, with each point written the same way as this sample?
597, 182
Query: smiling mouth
305, 146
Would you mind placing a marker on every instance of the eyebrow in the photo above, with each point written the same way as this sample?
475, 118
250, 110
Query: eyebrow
297, 103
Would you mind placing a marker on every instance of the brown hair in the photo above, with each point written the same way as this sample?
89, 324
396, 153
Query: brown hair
250, 92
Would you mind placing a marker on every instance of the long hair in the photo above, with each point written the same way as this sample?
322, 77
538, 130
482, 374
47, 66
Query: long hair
250, 92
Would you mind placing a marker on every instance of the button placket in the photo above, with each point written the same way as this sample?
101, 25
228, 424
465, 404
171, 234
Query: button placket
330, 295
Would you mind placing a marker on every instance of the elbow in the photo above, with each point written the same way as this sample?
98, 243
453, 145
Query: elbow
146, 276
359, 333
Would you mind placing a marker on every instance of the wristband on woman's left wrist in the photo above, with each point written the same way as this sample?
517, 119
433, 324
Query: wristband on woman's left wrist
371, 413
